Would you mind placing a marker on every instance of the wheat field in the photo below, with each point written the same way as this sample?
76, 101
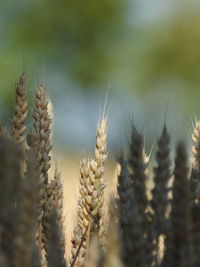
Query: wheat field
91, 211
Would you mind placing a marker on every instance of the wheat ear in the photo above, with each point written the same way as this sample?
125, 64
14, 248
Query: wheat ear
57, 203
195, 234
130, 221
91, 202
180, 215
55, 255
24, 242
177, 247
99, 171
11, 158
162, 175
42, 126
21, 111
113, 255
79, 241
160, 201
195, 174
41, 141
138, 166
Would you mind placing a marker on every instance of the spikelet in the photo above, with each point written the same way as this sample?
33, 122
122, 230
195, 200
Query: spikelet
195, 174
21, 111
130, 222
27, 218
11, 158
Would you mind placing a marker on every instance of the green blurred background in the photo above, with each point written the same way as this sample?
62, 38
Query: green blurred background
146, 51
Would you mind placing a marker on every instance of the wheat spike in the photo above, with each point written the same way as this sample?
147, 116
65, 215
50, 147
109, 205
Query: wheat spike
195, 235
91, 202
11, 158
161, 179
160, 201
100, 220
195, 174
177, 243
42, 127
21, 111
138, 165
84, 218
113, 257
57, 203
27, 218
40, 139
55, 255
130, 221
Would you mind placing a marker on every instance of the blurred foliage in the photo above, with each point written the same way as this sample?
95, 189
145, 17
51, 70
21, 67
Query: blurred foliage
171, 51
75, 35
90, 41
